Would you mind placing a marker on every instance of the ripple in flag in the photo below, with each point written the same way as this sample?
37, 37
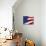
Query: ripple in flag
28, 20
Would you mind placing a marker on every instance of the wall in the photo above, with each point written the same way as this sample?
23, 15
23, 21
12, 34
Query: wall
6, 13
43, 22
28, 8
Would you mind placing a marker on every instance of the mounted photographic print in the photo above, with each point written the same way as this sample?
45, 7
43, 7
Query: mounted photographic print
28, 20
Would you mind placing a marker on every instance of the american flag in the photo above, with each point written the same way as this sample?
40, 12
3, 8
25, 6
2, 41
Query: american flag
29, 20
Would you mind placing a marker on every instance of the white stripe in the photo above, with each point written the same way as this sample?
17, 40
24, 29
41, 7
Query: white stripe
29, 18
29, 22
